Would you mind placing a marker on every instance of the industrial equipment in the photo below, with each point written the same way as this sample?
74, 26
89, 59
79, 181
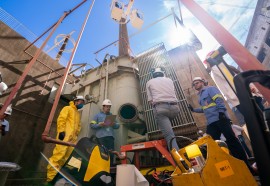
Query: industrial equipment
121, 13
88, 164
136, 19
216, 58
257, 121
219, 168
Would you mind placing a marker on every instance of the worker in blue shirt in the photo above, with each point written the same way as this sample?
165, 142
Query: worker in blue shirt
218, 122
105, 133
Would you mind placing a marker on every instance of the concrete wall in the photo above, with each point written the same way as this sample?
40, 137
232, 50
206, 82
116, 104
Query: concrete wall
31, 109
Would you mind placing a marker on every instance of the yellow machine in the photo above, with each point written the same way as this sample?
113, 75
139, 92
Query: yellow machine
219, 169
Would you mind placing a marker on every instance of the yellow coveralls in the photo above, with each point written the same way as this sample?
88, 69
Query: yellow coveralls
68, 121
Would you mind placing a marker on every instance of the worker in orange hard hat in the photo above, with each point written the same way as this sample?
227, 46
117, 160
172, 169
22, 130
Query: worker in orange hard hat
105, 131
68, 128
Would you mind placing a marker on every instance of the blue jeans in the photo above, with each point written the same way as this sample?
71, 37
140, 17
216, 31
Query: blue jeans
164, 113
108, 142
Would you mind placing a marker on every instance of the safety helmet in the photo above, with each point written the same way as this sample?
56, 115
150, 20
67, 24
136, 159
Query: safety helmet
200, 132
79, 98
107, 102
3, 87
8, 110
197, 79
205, 83
158, 72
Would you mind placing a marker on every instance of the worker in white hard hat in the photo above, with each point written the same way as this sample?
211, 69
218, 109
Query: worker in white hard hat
105, 131
224, 87
3, 87
68, 128
218, 122
161, 95
4, 124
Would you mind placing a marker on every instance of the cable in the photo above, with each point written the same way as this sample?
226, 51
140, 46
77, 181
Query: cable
223, 4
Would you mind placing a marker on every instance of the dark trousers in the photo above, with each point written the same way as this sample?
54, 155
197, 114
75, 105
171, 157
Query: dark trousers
108, 142
244, 145
223, 126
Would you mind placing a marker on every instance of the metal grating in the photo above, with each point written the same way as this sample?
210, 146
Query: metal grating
183, 124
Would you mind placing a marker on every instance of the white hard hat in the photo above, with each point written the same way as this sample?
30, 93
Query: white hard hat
3, 88
200, 132
8, 110
198, 79
106, 102
159, 70
79, 98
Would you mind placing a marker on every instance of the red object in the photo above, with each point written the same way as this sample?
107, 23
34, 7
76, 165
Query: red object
235, 49
160, 145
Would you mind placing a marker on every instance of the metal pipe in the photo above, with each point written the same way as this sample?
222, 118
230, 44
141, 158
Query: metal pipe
137, 139
130, 36
107, 79
47, 66
66, 14
29, 66
77, 68
106, 76
237, 51
41, 92
62, 49
180, 12
45, 135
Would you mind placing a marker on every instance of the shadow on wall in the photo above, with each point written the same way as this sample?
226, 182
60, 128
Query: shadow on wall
23, 143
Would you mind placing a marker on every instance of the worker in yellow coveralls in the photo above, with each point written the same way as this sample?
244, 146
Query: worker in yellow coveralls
68, 128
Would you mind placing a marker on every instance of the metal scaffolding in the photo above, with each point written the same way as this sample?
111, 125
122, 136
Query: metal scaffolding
183, 124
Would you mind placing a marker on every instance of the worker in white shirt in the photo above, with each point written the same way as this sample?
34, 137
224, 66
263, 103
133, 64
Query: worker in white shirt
161, 95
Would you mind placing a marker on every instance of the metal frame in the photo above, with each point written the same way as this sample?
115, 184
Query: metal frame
159, 145
183, 124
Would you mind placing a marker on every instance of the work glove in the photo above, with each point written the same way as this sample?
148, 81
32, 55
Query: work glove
222, 116
190, 108
61, 135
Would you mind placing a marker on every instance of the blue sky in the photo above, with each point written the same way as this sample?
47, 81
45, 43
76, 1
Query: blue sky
101, 30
